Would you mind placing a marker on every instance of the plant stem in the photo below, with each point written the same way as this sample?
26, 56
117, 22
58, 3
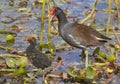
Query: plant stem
42, 24
49, 25
109, 19
92, 12
54, 2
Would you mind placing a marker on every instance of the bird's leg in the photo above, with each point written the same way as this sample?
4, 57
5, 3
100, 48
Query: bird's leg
86, 58
82, 58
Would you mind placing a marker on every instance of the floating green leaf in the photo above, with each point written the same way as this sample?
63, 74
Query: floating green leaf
75, 73
90, 72
7, 32
20, 71
96, 51
111, 58
81, 78
70, 72
101, 59
11, 3
18, 61
11, 62
10, 39
102, 54
24, 61
51, 47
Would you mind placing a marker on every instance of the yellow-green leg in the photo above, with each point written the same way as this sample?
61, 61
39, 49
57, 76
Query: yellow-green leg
86, 58
85, 55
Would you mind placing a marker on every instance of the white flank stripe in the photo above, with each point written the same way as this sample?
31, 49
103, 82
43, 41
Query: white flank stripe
76, 42
99, 38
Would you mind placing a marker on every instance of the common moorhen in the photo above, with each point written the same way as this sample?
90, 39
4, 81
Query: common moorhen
75, 34
38, 59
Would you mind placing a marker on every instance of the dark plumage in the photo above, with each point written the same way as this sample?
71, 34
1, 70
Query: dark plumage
77, 35
38, 59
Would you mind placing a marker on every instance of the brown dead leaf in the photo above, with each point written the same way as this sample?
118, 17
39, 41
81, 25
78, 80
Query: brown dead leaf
64, 75
54, 75
59, 62
54, 32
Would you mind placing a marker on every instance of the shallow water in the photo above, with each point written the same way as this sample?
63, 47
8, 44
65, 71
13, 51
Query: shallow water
76, 8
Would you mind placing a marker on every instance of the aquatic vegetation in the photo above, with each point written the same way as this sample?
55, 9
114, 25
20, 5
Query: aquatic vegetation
20, 19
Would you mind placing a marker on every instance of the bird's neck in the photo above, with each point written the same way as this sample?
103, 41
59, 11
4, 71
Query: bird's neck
32, 46
62, 20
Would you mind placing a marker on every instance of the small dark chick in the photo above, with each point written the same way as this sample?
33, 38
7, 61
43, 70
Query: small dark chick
37, 58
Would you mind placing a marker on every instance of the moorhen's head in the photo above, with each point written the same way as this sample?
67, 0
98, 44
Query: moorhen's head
55, 11
31, 41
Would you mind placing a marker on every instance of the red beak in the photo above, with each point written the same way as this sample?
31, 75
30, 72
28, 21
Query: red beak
52, 15
26, 42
